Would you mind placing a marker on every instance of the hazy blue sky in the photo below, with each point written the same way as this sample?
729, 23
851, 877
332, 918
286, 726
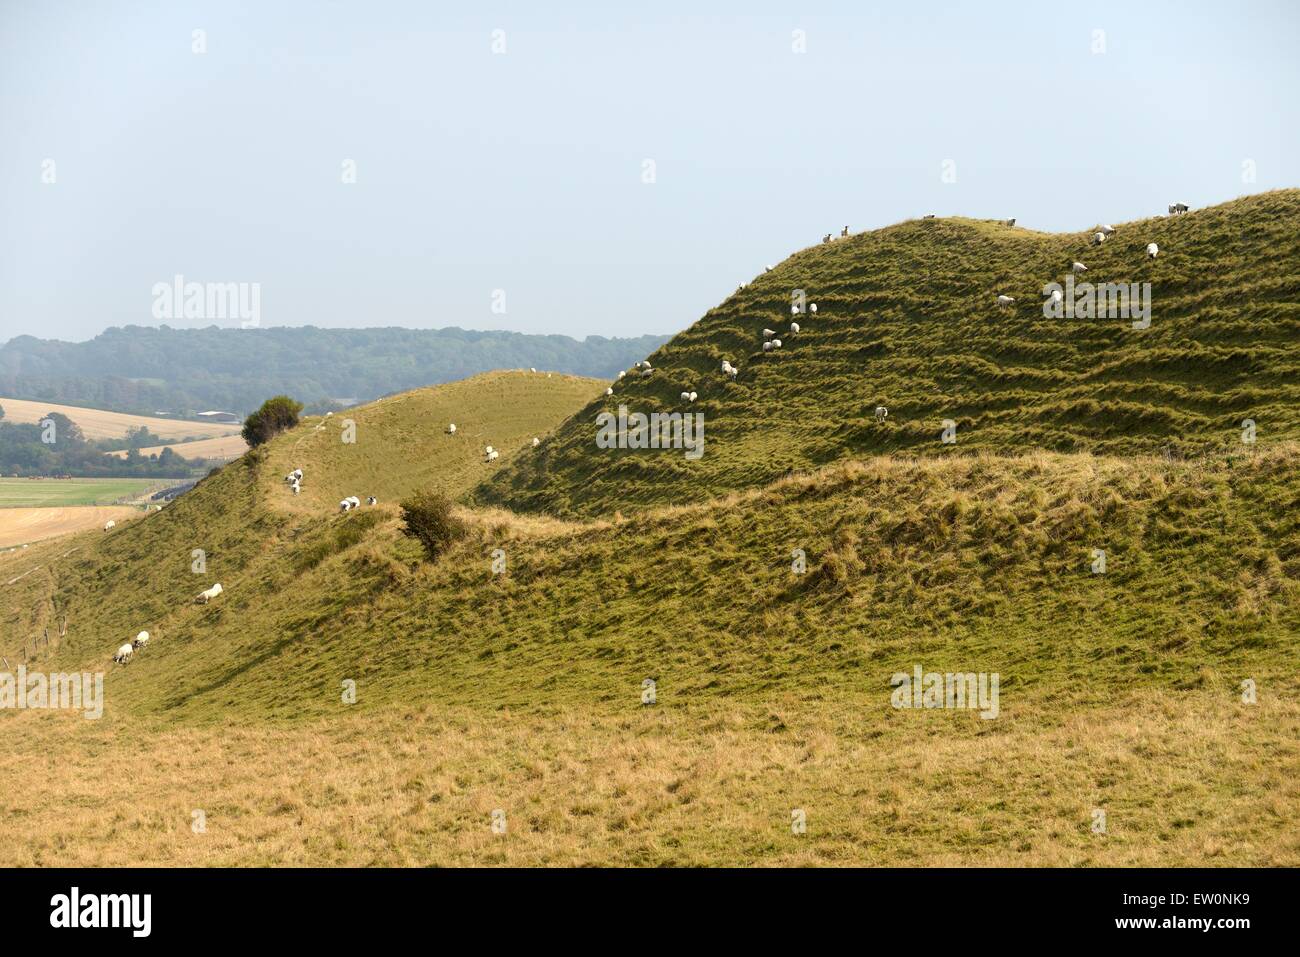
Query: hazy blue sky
523, 171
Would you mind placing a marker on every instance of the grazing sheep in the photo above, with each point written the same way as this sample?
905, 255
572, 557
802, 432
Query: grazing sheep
124, 654
451, 429
813, 307
881, 413
768, 268
794, 310
493, 456
531, 369
693, 396
536, 441
206, 596
1005, 301
1106, 228
329, 415
372, 500
647, 372
1177, 209
1057, 297
794, 328
345, 505
109, 524
826, 238
622, 374
1152, 250
609, 391
141, 640
1098, 238
767, 347
488, 450
768, 333
1078, 268
1010, 222
686, 397
776, 343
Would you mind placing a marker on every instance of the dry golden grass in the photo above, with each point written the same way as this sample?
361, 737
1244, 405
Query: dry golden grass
1184, 778
22, 525
100, 424
223, 448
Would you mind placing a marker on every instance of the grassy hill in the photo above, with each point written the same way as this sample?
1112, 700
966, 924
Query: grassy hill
480, 690
907, 318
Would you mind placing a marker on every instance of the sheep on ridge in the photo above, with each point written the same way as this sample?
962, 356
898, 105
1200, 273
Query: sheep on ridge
1177, 209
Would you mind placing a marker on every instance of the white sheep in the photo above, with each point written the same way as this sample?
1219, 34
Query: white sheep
776, 343
1078, 268
488, 450
1010, 222
1057, 298
768, 333
329, 415
109, 524
1005, 301
141, 640
1098, 238
124, 654
536, 441
694, 396
206, 596
794, 328
451, 429
767, 347
794, 310
1152, 250
768, 268
609, 392
493, 456
530, 369
813, 307
344, 505
686, 397
622, 374
1106, 229
647, 372
372, 500
881, 413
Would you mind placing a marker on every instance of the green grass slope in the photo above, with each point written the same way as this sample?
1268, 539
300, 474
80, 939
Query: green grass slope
400, 443
477, 690
907, 318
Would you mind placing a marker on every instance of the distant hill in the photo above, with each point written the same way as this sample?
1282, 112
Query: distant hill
145, 370
908, 318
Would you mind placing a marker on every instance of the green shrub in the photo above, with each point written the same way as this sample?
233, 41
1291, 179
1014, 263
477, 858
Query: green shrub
428, 517
276, 415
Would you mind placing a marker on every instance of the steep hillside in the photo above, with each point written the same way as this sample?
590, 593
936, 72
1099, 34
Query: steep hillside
401, 443
477, 691
907, 318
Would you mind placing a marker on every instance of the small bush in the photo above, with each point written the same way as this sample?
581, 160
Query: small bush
428, 517
276, 415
